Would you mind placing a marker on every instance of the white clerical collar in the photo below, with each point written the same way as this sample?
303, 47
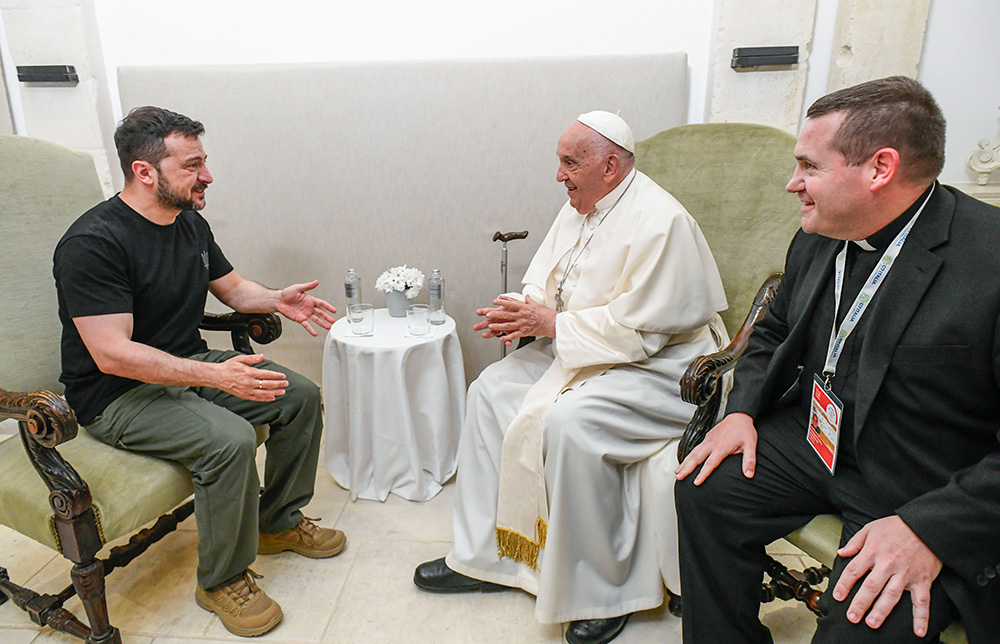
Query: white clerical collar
610, 199
864, 245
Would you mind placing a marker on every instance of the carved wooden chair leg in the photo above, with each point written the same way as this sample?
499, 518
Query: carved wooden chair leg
44, 610
792, 584
88, 579
76, 526
88, 584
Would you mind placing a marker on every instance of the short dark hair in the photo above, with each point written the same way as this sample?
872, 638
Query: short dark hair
895, 112
140, 135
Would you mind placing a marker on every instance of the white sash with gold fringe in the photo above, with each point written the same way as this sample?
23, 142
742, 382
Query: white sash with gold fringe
522, 506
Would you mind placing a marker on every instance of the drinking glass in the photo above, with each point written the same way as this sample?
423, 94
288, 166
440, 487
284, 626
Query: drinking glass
362, 317
416, 319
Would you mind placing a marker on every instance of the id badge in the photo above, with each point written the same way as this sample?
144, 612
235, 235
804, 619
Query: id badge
824, 423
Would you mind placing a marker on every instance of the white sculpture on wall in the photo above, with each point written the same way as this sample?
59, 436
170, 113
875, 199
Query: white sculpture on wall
986, 159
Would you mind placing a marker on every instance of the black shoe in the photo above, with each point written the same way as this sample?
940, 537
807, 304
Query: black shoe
595, 631
436, 577
674, 604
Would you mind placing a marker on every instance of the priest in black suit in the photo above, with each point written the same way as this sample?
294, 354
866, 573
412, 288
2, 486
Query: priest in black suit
886, 329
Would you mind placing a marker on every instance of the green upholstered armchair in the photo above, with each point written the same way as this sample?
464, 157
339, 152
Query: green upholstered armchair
75, 498
731, 177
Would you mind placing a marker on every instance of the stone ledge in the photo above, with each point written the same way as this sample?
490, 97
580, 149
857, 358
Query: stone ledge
990, 193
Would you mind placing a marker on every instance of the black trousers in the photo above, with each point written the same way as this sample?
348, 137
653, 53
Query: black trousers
725, 523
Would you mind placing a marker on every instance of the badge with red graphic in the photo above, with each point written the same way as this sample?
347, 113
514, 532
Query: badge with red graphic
824, 423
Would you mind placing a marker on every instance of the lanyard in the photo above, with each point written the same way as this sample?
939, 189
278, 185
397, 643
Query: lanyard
861, 302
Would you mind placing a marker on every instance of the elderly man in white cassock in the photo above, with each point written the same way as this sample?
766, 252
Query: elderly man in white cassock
622, 294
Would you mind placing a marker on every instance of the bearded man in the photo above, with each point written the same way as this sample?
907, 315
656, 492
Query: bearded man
132, 275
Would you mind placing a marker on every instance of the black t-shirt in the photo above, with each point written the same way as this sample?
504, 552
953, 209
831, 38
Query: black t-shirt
114, 260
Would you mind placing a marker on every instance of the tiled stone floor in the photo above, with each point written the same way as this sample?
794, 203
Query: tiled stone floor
363, 596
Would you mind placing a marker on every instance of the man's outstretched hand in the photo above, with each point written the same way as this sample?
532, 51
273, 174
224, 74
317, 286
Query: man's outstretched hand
298, 305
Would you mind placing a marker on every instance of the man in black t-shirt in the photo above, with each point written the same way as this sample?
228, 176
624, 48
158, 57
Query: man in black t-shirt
132, 275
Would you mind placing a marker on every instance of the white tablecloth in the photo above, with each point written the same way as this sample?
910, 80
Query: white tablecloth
394, 408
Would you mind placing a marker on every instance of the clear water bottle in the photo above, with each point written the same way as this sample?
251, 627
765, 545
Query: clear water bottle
435, 291
352, 288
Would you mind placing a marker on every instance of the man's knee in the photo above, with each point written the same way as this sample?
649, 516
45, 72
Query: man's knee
569, 422
897, 627
486, 382
302, 391
715, 492
234, 441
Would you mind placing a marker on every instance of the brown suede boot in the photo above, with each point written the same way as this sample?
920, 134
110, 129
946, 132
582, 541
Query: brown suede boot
242, 607
307, 539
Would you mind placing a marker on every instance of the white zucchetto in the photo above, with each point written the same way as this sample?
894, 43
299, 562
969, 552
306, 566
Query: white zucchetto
610, 126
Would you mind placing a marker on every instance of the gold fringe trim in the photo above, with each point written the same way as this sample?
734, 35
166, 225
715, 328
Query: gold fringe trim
97, 522
55, 533
511, 544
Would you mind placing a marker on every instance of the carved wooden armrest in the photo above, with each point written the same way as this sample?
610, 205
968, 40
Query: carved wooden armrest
702, 382
46, 420
47, 416
262, 328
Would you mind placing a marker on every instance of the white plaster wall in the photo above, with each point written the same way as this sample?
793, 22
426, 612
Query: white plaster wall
769, 97
875, 39
6, 119
59, 32
820, 53
185, 32
961, 66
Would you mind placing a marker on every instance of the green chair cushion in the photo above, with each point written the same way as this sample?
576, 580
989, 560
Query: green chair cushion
129, 489
819, 538
44, 187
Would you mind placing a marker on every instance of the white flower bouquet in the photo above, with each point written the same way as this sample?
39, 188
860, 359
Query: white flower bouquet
403, 279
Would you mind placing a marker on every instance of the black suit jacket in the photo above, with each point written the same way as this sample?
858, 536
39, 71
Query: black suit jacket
927, 409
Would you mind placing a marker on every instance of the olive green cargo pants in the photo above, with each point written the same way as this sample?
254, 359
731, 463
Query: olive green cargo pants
211, 433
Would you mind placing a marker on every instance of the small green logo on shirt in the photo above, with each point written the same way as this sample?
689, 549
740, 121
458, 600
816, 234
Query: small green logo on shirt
204, 258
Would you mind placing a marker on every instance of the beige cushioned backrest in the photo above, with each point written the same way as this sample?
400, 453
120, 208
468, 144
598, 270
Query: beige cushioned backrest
731, 177
43, 188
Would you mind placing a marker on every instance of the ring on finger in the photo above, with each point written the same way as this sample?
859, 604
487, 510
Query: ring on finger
260, 384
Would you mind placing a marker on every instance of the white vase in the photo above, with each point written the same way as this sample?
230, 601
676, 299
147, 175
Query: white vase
396, 302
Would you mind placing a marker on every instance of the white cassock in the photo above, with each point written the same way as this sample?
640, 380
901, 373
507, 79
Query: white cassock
641, 303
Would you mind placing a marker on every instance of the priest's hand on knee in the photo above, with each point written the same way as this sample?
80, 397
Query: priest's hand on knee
514, 320
735, 434
895, 560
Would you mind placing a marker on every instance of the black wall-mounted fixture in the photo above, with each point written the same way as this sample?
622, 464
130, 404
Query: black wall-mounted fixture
764, 58
48, 74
